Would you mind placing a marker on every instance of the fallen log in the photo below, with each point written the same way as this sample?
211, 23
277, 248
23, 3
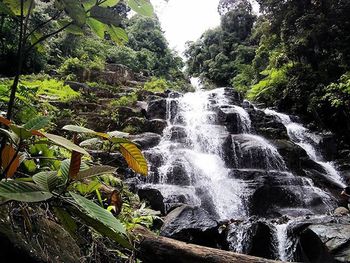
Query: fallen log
153, 248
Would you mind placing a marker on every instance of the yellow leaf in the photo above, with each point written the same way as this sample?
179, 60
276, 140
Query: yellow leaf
134, 158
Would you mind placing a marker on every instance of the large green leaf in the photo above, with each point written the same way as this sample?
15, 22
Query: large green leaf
48, 180
91, 142
85, 188
118, 134
95, 171
37, 123
66, 220
64, 170
120, 140
96, 26
15, 6
109, 3
134, 158
23, 191
106, 15
97, 217
88, 4
118, 35
20, 131
34, 40
142, 7
4, 9
75, 10
71, 28
79, 129
11, 135
59, 140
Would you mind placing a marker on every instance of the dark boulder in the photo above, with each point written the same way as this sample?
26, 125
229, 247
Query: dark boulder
228, 116
262, 241
126, 112
328, 147
178, 175
157, 125
292, 154
191, 224
336, 238
157, 109
310, 248
146, 140
77, 86
154, 198
135, 125
251, 237
178, 134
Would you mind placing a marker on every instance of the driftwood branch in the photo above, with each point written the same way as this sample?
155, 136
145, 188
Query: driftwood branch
153, 248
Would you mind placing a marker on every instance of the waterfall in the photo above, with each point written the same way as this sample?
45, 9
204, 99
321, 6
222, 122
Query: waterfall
308, 141
210, 156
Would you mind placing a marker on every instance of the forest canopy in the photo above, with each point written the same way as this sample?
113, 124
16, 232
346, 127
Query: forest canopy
294, 55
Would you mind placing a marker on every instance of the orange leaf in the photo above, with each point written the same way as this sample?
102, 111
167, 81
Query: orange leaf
10, 162
75, 163
37, 133
116, 201
4, 121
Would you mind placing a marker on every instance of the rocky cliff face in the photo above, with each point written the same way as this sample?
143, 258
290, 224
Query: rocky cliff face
253, 171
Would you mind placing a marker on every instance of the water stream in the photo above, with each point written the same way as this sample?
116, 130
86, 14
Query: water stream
208, 157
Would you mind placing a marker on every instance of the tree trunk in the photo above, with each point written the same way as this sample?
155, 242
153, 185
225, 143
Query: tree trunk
153, 248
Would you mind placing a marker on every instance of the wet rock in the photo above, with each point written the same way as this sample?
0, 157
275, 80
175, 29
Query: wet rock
251, 151
328, 147
291, 153
126, 112
310, 248
191, 224
228, 116
146, 140
268, 199
157, 125
177, 174
267, 126
154, 198
257, 239
157, 109
336, 237
233, 96
262, 241
178, 133
136, 125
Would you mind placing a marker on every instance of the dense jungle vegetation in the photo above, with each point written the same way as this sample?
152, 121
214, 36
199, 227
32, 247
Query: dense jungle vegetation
44, 45
294, 55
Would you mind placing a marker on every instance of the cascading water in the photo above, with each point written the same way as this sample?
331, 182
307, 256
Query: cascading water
193, 141
308, 141
209, 157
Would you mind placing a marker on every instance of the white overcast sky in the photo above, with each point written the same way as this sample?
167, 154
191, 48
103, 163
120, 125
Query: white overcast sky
186, 20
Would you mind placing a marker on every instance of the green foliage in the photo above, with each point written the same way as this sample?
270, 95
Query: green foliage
51, 89
127, 100
156, 85
338, 94
271, 86
222, 53
54, 184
